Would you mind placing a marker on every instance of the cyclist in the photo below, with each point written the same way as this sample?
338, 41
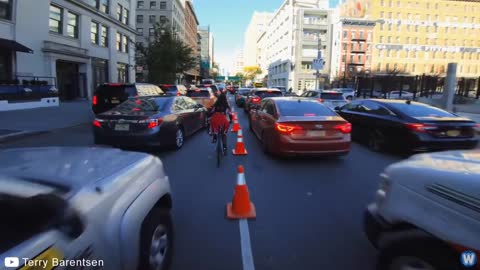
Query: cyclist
219, 119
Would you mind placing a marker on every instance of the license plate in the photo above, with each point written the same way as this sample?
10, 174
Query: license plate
453, 133
122, 127
44, 261
316, 133
115, 101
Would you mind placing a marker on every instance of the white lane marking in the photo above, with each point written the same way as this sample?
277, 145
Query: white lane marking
247, 257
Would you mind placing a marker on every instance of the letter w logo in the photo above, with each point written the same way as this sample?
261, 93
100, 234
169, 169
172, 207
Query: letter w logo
468, 258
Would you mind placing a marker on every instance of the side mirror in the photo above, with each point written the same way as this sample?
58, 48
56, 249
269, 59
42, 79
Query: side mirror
337, 108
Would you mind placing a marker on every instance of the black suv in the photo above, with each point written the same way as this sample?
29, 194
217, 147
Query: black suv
109, 95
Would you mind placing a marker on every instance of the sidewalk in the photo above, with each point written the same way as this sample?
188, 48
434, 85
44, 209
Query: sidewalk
18, 123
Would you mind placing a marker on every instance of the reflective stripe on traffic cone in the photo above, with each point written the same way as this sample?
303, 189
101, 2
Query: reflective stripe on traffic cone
241, 206
240, 146
236, 126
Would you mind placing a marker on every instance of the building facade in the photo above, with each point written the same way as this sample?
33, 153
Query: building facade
79, 44
356, 47
239, 62
423, 36
206, 51
191, 38
294, 37
169, 13
256, 27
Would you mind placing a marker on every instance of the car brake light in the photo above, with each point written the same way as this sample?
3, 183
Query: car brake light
418, 127
285, 128
94, 100
178, 94
97, 123
344, 128
136, 109
197, 90
269, 91
138, 101
154, 123
320, 100
255, 99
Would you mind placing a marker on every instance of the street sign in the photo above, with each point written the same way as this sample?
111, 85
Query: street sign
318, 64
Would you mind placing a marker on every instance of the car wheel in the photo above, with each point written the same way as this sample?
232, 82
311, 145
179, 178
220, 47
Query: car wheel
179, 138
417, 255
156, 240
375, 140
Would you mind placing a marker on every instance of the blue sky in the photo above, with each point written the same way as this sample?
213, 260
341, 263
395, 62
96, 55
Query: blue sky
228, 21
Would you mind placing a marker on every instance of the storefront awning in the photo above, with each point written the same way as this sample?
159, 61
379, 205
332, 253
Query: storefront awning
14, 46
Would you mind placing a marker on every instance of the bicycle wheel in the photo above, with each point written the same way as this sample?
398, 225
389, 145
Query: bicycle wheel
219, 150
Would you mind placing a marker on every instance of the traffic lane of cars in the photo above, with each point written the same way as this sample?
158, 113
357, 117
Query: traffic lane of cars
309, 210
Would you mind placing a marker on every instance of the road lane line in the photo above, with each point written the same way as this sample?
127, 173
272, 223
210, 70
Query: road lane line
247, 257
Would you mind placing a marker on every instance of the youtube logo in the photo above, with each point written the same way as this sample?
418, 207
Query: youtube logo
12, 262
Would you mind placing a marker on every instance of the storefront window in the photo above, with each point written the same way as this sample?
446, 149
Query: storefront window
122, 73
6, 9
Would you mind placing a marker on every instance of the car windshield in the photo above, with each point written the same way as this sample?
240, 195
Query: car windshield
198, 93
303, 108
109, 91
332, 96
265, 94
420, 110
143, 104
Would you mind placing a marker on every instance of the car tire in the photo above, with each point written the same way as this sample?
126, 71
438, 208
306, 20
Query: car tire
179, 139
375, 141
156, 238
417, 252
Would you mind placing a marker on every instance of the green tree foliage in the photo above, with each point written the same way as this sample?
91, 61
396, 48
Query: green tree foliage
165, 56
251, 72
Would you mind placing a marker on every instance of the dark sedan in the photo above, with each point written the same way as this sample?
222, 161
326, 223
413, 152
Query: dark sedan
406, 125
241, 95
150, 121
299, 126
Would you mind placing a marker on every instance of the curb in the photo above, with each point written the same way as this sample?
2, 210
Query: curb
24, 134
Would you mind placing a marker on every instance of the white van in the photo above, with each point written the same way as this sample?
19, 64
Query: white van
426, 214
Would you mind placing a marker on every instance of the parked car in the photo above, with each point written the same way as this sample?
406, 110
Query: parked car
254, 98
215, 89
108, 96
369, 94
348, 93
396, 95
407, 125
240, 96
150, 121
204, 96
207, 81
175, 90
296, 126
331, 99
425, 212
281, 88
100, 205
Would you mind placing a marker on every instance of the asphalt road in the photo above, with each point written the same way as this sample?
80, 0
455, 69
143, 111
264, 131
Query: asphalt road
309, 211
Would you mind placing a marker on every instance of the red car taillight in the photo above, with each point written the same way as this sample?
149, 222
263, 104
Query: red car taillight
286, 129
97, 123
154, 123
320, 100
255, 99
94, 100
178, 94
344, 128
418, 127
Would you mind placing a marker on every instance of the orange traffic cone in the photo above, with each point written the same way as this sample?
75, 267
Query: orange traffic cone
241, 206
234, 116
236, 126
240, 146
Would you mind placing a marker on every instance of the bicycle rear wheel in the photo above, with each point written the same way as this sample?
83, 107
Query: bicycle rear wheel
219, 150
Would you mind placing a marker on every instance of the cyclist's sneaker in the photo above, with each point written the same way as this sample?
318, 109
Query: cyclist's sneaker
225, 150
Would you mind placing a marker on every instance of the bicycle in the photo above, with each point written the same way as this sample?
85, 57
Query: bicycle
219, 149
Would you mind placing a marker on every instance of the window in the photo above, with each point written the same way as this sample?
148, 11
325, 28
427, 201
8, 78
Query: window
119, 41
140, 4
352, 47
345, 34
119, 12
416, 28
153, 4
126, 16
124, 44
72, 25
56, 19
163, 19
151, 19
163, 5
344, 46
353, 35
369, 35
6, 9
104, 6
344, 58
122, 73
94, 32
381, 39
398, 3
139, 18
104, 37
151, 31
140, 31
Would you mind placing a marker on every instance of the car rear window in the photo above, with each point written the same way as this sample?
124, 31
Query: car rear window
198, 93
265, 94
244, 92
169, 88
144, 104
120, 91
332, 96
420, 110
302, 108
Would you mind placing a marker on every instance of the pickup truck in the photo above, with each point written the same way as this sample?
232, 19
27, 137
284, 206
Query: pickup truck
84, 208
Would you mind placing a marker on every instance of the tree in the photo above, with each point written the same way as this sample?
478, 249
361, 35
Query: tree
165, 56
215, 70
241, 77
251, 72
